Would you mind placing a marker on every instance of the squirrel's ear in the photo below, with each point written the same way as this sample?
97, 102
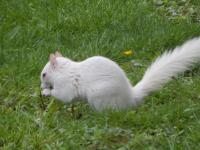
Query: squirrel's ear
57, 53
52, 59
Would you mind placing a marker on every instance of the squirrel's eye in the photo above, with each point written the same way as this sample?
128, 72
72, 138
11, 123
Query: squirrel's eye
44, 75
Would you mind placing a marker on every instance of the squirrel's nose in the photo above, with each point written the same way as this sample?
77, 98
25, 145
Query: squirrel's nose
42, 86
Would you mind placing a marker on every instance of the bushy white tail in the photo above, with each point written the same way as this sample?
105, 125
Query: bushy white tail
168, 65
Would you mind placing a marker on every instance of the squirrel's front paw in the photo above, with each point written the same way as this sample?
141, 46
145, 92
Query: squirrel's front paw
46, 92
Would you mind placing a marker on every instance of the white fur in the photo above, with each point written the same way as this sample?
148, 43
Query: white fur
103, 84
168, 65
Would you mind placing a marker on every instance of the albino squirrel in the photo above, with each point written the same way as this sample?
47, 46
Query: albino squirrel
104, 85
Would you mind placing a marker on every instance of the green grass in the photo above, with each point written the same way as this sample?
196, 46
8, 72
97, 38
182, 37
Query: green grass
30, 30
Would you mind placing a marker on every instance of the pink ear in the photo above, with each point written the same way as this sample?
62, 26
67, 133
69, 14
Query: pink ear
58, 54
53, 61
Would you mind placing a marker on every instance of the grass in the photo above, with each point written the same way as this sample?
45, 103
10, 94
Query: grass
30, 30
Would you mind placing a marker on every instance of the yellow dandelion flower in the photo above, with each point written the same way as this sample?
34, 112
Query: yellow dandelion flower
128, 52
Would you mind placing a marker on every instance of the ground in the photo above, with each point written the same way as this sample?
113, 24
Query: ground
31, 30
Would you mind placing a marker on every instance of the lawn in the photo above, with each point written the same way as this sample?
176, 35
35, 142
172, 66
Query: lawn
31, 30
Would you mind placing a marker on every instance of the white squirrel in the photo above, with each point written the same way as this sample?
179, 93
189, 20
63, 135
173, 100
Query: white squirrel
104, 85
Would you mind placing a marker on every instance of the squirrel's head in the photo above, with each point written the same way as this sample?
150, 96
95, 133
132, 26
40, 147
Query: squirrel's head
47, 75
